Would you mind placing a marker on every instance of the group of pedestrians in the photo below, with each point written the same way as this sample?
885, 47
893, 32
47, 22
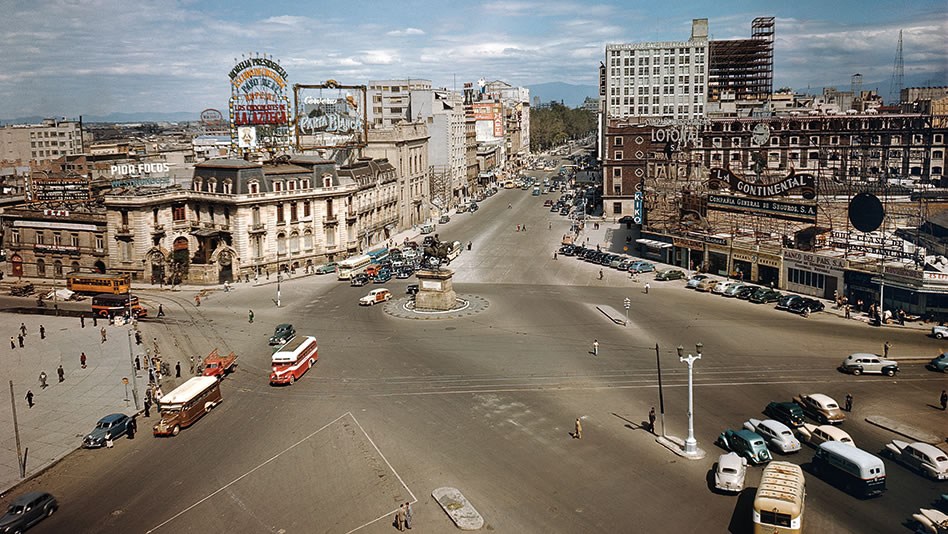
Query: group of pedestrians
403, 517
20, 339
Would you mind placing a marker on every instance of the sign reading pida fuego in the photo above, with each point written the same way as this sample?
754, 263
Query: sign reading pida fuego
804, 182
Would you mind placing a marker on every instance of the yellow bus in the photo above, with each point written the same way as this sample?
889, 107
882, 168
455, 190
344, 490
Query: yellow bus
778, 506
353, 265
96, 283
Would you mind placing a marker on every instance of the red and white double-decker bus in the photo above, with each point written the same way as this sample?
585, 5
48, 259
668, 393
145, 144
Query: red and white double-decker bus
293, 359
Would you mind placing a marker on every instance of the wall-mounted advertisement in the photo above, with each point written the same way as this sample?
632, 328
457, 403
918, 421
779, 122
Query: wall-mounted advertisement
759, 206
57, 190
260, 99
492, 112
330, 115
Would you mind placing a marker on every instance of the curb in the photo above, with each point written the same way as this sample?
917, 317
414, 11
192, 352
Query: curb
903, 430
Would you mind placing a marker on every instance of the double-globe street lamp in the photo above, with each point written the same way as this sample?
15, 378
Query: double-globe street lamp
691, 445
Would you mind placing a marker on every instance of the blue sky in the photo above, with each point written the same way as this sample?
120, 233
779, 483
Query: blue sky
92, 57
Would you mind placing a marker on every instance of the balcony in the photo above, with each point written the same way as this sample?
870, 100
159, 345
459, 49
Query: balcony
351, 217
158, 230
257, 228
123, 231
330, 220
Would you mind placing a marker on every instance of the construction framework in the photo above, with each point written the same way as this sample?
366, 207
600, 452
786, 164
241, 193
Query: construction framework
743, 68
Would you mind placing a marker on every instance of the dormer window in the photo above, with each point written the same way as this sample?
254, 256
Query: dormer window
228, 186
254, 187
277, 187
327, 180
212, 185
304, 183
198, 184
291, 185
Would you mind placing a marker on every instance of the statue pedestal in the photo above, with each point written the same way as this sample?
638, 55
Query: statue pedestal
435, 291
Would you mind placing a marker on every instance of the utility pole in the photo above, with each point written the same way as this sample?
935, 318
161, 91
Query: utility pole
16, 432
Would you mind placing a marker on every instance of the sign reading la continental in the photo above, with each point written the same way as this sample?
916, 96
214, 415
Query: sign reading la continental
778, 210
804, 182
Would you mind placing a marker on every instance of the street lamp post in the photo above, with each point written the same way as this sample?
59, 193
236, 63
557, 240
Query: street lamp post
279, 280
628, 304
691, 445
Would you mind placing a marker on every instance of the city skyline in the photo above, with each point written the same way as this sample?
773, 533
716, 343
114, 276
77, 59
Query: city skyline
175, 56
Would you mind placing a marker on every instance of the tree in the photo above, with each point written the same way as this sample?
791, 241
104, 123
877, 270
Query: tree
558, 123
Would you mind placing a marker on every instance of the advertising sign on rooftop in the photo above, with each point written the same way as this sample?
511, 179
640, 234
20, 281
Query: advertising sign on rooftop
259, 99
330, 115
50, 189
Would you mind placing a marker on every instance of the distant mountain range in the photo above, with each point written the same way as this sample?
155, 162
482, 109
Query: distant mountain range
120, 118
569, 94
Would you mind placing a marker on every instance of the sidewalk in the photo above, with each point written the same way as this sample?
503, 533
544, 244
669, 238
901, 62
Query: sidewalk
64, 411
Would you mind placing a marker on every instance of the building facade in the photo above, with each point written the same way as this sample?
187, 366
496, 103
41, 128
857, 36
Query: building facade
405, 146
40, 142
395, 101
376, 200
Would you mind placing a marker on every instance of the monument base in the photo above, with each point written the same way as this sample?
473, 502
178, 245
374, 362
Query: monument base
435, 290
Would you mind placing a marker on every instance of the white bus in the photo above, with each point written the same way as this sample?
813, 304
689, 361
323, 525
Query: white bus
353, 265
854, 470
292, 360
779, 503
455, 250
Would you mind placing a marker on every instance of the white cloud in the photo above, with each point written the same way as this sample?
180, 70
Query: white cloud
405, 32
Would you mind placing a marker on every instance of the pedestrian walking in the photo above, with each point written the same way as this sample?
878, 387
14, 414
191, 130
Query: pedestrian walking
23, 329
524, 228
151, 375
95, 320
600, 274
82, 321
132, 428
408, 515
944, 400
197, 300
42, 332
400, 518
849, 402
651, 420
578, 430
43, 380
12, 343
191, 358
147, 406
177, 370
595, 347
551, 225
19, 338
554, 256
161, 311
61, 373
82, 360
138, 362
518, 227
138, 337
647, 286
885, 349
250, 316
104, 337
847, 310
29, 397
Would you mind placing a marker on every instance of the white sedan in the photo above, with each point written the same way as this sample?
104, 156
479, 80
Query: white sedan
776, 434
730, 472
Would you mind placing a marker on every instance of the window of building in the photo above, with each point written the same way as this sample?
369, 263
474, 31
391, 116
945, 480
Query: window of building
254, 187
280, 218
617, 155
124, 215
937, 154
293, 212
936, 171
291, 185
618, 141
255, 215
228, 186
41, 268
294, 243
938, 138
99, 242
304, 183
57, 269
277, 186
177, 213
74, 240
806, 278
15, 236
281, 243
306, 210
617, 172
308, 240
40, 238
834, 139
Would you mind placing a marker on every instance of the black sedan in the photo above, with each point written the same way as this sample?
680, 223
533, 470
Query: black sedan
110, 427
784, 302
765, 295
807, 305
27, 510
745, 292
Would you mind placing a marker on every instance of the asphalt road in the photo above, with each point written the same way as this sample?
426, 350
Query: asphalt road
485, 403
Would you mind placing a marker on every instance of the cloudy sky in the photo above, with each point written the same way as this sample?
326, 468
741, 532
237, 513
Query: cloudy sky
93, 57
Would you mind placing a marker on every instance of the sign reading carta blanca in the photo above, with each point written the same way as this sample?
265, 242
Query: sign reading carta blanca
804, 182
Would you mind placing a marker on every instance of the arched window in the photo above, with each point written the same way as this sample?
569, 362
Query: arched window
41, 268
212, 185
74, 267
57, 269
308, 240
295, 243
281, 243
254, 187
228, 186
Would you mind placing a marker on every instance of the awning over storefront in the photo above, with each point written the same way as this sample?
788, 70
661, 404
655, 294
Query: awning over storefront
651, 243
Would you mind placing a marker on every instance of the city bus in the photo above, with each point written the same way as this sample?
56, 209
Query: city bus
95, 283
109, 305
454, 250
778, 506
854, 470
292, 360
187, 403
353, 265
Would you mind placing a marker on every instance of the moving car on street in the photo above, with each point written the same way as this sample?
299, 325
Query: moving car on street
927, 459
27, 510
730, 472
745, 443
939, 363
640, 266
375, 296
777, 435
326, 268
788, 413
815, 435
282, 333
821, 408
861, 362
359, 280
940, 332
112, 426
218, 366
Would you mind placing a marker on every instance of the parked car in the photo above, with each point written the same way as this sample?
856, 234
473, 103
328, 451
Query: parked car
732, 289
616, 261
326, 268
745, 292
443, 219
927, 459
807, 305
404, 272
861, 362
730, 472
695, 280
359, 279
27, 510
375, 296
384, 275
548, 202
625, 264
821, 408
777, 434
784, 302
814, 435
282, 334
765, 295
940, 332
723, 286
788, 413
669, 274
640, 266
112, 426
745, 443
939, 363
411, 289
707, 284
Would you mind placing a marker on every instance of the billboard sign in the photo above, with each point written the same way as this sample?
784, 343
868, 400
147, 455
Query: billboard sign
493, 112
804, 182
58, 189
330, 115
638, 208
773, 209
259, 98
